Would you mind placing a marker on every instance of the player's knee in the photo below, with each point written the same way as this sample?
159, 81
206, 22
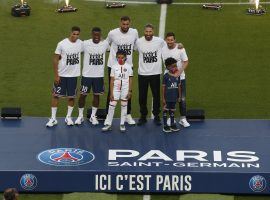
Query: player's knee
113, 103
124, 103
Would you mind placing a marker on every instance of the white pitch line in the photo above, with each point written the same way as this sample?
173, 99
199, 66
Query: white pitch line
146, 197
180, 3
128, 2
222, 3
162, 20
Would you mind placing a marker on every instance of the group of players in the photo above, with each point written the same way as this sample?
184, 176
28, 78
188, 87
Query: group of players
121, 42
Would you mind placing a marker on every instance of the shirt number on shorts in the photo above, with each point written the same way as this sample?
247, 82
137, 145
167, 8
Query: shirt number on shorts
84, 89
58, 89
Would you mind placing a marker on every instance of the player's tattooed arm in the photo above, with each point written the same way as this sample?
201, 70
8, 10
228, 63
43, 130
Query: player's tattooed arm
163, 96
56, 59
129, 88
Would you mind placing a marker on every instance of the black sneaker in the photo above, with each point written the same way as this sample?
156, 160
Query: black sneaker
167, 129
174, 128
141, 121
157, 121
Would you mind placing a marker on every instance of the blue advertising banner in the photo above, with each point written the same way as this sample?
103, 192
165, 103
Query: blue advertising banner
215, 156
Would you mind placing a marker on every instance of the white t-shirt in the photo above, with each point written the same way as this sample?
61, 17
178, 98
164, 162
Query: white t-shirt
124, 41
94, 58
121, 74
150, 62
70, 63
178, 54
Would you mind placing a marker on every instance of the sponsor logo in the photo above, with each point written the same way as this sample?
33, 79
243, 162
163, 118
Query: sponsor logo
257, 183
28, 182
65, 157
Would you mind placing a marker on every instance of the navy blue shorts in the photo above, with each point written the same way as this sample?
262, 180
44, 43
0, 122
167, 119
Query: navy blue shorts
97, 85
66, 88
170, 106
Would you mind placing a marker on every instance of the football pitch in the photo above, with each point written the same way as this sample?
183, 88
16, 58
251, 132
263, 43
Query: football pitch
228, 74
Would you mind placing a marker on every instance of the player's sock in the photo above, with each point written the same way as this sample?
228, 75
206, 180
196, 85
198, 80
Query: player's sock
111, 111
123, 112
81, 112
171, 113
165, 118
54, 110
69, 112
94, 111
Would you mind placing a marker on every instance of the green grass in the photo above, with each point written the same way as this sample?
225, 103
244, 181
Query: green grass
228, 74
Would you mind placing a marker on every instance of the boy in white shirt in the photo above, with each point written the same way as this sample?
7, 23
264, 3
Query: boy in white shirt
120, 89
122, 38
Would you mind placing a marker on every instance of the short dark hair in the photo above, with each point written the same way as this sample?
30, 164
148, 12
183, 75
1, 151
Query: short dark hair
169, 61
96, 29
121, 52
75, 28
125, 18
149, 26
10, 194
170, 34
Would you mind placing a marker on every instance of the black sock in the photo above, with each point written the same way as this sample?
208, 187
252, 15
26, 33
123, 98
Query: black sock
171, 113
165, 118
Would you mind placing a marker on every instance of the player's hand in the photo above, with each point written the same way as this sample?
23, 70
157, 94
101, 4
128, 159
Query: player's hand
129, 95
163, 102
180, 46
111, 97
56, 80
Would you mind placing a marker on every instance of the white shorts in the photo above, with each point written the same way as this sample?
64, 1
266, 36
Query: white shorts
120, 94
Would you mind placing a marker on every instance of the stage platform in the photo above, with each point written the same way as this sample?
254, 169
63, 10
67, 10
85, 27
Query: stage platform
214, 156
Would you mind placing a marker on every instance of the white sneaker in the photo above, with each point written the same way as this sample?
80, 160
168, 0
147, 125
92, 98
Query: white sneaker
122, 128
52, 122
184, 122
129, 120
69, 121
106, 122
107, 128
93, 120
79, 121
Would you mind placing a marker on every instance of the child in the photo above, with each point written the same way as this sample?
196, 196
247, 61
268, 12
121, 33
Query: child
171, 91
120, 89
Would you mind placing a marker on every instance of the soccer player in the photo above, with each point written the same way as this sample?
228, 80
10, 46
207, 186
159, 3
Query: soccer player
66, 64
150, 68
171, 92
120, 89
172, 50
93, 73
122, 38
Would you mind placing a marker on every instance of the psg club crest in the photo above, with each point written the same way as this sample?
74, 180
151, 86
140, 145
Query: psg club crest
28, 182
65, 157
257, 183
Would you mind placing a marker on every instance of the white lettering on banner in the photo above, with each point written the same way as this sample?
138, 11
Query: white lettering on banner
103, 182
114, 154
183, 155
132, 182
173, 183
155, 154
193, 154
243, 155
